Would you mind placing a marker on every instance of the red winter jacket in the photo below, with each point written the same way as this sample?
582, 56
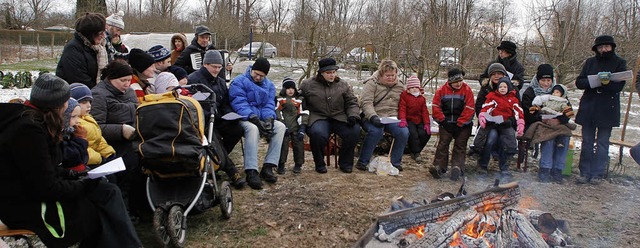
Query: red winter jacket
413, 108
506, 106
453, 106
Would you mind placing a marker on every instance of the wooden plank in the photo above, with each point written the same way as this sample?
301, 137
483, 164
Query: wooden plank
15, 232
611, 141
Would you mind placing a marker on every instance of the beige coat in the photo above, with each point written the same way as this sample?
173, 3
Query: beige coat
373, 91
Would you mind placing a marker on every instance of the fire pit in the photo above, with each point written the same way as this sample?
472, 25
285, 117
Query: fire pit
489, 218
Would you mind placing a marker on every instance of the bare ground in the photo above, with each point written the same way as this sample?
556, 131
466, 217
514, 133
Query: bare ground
335, 209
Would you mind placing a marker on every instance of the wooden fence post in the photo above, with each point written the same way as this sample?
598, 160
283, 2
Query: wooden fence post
52, 41
38, 46
20, 47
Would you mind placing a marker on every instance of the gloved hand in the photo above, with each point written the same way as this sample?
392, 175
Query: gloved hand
267, 126
534, 109
352, 120
301, 131
403, 123
482, 120
255, 121
604, 77
427, 128
75, 175
520, 128
375, 120
80, 132
452, 128
568, 111
128, 131
515, 83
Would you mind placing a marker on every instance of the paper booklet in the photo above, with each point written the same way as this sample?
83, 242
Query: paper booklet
594, 82
109, 168
389, 120
232, 116
495, 119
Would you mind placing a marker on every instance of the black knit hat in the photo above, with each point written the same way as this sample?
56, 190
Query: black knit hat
603, 40
140, 60
261, 64
116, 69
455, 75
508, 46
327, 64
49, 91
544, 71
288, 83
505, 80
177, 71
90, 24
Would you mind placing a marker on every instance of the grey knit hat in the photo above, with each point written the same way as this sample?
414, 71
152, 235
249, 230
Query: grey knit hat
495, 67
49, 91
212, 57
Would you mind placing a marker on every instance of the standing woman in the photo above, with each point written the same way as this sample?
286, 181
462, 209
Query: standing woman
599, 108
178, 43
79, 60
45, 197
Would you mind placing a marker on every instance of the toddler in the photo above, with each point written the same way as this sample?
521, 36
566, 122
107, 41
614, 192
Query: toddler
289, 111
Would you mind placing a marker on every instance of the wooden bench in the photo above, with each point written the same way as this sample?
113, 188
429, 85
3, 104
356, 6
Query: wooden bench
16, 233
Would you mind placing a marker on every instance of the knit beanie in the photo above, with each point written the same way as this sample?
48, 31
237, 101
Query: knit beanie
115, 20
508, 46
49, 91
327, 64
165, 80
159, 53
544, 71
505, 80
560, 88
495, 67
261, 64
455, 75
212, 57
90, 24
80, 92
139, 60
116, 69
288, 83
67, 113
413, 82
177, 71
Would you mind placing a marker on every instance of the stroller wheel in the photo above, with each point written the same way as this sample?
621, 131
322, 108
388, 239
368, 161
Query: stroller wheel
160, 227
225, 197
176, 230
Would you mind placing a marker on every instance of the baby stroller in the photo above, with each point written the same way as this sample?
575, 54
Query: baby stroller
179, 161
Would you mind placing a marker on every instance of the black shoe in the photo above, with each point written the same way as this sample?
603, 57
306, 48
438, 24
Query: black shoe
281, 170
436, 173
455, 173
321, 169
399, 167
544, 175
582, 180
237, 181
361, 166
297, 169
267, 173
595, 181
253, 179
556, 176
346, 169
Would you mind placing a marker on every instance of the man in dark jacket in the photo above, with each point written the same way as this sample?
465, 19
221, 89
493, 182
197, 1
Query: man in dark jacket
79, 60
599, 108
197, 49
229, 131
508, 57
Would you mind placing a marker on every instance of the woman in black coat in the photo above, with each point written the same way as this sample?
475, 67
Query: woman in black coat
89, 211
599, 108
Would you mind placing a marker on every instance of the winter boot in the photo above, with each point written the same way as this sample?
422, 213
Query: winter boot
455, 173
416, 157
281, 170
235, 177
556, 175
253, 179
436, 172
297, 168
267, 173
544, 176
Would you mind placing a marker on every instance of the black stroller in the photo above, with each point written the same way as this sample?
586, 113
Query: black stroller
180, 161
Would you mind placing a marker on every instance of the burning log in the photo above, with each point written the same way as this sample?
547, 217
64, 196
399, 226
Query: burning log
517, 231
444, 234
490, 199
542, 221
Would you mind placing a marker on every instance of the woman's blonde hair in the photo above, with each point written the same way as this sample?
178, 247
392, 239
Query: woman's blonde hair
387, 65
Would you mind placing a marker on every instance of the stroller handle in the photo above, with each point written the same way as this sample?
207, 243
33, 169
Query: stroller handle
198, 87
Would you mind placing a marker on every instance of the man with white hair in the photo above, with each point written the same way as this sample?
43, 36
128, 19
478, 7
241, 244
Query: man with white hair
115, 26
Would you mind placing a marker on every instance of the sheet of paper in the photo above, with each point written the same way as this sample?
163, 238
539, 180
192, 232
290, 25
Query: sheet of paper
201, 96
232, 116
389, 120
546, 117
510, 75
109, 168
495, 119
618, 76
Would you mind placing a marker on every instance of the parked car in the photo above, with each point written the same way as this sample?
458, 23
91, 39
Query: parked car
359, 55
331, 52
268, 50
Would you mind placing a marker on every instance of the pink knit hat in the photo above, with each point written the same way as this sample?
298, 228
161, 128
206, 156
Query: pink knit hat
413, 82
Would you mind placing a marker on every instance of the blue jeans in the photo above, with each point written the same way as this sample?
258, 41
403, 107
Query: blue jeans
318, 134
552, 156
505, 149
374, 134
252, 140
593, 162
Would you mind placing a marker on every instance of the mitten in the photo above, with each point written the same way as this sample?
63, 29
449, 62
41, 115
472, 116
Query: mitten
403, 123
568, 111
604, 77
515, 83
352, 120
482, 120
427, 128
534, 109
301, 131
520, 129
375, 120
128, 131
80, 132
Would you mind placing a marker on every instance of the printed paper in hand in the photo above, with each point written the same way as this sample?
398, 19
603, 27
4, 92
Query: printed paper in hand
114, 166
546, 117
594, 82
495, 119
232, 116
389, 120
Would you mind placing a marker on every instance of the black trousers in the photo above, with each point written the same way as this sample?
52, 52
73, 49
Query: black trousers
418, 137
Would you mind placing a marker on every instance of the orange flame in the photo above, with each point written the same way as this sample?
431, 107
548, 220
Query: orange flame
417, 230
457, 240
528, 202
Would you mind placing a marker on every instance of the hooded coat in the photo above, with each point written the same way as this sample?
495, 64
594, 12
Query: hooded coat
175, 53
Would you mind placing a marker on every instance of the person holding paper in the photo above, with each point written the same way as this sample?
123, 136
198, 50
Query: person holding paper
453, 109
599, 108
414, 114
380, 98
507, 57
60, 209
500, 103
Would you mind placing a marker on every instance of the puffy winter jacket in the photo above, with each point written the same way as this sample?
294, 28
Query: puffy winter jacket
98, 146
326, 100
453, 106
250, 98
111, 108
375, 92
413, 108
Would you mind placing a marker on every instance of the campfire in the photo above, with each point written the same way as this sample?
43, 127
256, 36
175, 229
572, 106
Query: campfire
490, 218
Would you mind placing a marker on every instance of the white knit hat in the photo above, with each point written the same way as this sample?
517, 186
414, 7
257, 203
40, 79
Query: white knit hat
115, 20
165, 80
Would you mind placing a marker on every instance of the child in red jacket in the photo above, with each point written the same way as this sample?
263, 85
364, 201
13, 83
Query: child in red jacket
414, 114
501, 104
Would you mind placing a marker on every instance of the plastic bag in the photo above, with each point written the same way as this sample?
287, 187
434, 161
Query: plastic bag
381, 166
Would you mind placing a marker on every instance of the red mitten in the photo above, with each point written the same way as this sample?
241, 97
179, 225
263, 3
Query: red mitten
482, 120
403, 123
427, 128
520, 128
